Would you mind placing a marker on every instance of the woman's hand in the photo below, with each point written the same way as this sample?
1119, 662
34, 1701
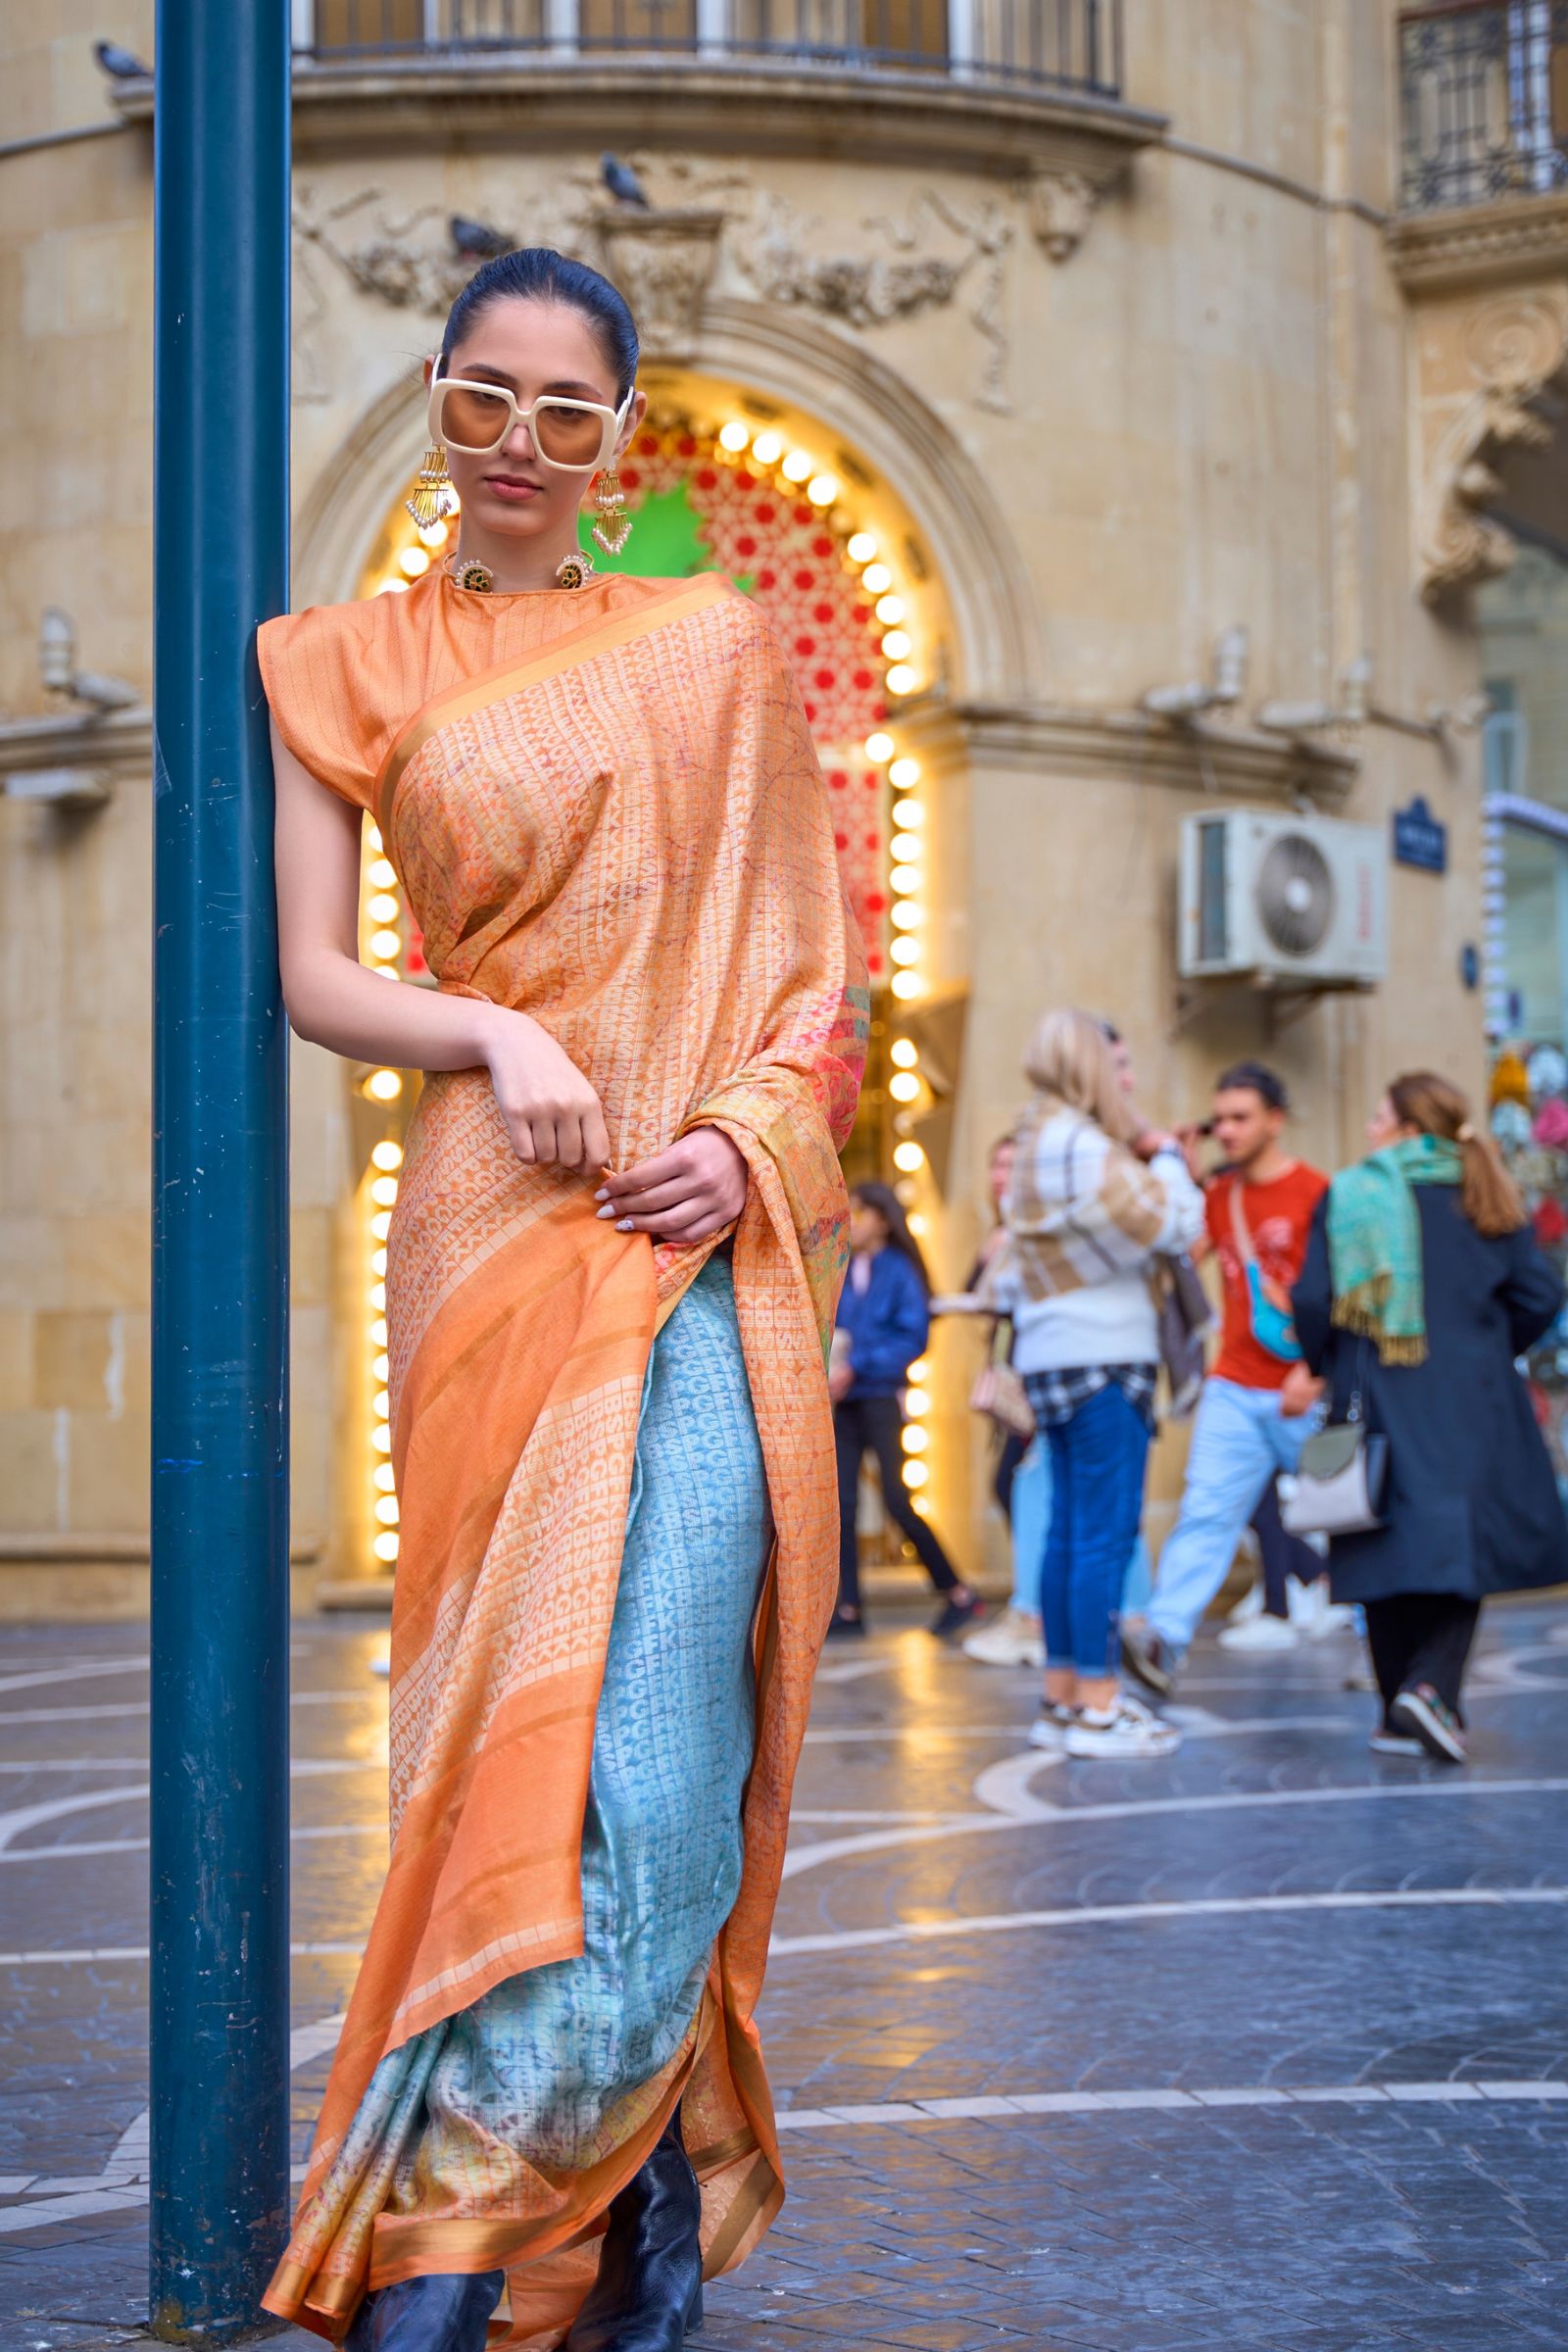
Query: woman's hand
682, 1194
840, 1380
1299, 1393
552, 1114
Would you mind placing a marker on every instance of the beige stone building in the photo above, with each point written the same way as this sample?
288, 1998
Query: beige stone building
1019, 353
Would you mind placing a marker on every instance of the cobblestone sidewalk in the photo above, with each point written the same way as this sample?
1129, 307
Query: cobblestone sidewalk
1259, 2049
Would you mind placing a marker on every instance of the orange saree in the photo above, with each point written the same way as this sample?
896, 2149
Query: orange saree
605, 810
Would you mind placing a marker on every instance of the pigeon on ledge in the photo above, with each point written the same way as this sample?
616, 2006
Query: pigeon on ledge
118, 63
622, 181
478, 238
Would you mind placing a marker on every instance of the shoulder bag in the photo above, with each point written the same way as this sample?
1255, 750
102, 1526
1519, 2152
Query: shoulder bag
1341, 1478
1271, 1325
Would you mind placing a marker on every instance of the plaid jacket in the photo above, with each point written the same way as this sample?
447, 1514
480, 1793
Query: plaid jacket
1082, 1209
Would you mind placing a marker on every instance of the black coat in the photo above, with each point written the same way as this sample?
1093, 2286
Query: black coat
1472, 1506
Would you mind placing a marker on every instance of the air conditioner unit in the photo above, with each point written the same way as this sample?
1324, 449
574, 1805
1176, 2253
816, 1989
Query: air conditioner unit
1281, 898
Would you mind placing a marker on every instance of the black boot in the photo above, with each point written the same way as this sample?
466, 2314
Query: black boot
440, 2314
649, 2291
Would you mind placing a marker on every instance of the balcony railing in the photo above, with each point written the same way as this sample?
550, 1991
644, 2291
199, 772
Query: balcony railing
1059, 45
1484, 92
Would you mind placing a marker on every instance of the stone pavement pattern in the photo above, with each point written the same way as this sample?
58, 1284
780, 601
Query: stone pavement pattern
1259, 2049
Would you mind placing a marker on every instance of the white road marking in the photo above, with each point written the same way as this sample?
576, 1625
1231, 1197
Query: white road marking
1215, 1907
78, 1673
995, 2108
143, 1706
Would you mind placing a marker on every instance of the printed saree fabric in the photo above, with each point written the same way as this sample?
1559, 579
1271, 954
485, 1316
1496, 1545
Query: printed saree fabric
605, 810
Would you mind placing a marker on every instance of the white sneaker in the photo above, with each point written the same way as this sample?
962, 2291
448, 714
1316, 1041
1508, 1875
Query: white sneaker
1259, 1633
1312, 1612
1385, 1743
1128, 1728
1049, 1727
1013, 1638
1249, 1606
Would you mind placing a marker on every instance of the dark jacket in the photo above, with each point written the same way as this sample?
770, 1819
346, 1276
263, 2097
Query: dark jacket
1472, 1506
888, 1326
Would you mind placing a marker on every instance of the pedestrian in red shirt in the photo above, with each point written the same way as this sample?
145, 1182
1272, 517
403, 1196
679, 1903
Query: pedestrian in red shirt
1256, 1410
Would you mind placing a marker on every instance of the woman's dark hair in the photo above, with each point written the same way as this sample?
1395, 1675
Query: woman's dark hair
1488, 1193
890, 1208
538, 273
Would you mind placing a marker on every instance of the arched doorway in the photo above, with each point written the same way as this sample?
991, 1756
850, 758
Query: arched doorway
722, 478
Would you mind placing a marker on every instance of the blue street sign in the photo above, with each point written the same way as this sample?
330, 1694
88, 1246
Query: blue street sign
1420, 839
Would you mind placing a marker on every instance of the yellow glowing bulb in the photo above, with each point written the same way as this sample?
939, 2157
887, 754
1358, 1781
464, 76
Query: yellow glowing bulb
902, 679
383, 1190
385, 945
382, 1368
413, 561
876, 579
734, 436
379, 1262
905, 845
796, 466
916, 1223
823, 489
905, 1053
905, 914
916, 1438
387, 1155
386, 1509
382, 909
908, 813
393, 588
382, 1223
916, 1401
906, 950
906, 1157
921, 1506
904, 877
915, 1474
905, 985
382, 875
385, 1478
372, 840
378, 1332
767, 449
381, 1405
386, 1547
878, 747
890, 611
862, 548
905, 774
898, 645
904, 1086
381, 1438
434, 534
384, 1086
378, 1297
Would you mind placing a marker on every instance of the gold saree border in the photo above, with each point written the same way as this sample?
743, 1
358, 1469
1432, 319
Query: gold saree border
600, 635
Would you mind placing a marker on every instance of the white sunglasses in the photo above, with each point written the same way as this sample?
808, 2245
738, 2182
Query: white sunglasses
572, 436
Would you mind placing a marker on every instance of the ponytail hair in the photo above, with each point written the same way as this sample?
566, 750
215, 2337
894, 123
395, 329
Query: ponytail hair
890, 1208
1488, 1193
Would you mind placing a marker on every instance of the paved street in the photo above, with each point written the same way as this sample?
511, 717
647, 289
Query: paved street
1262, 2046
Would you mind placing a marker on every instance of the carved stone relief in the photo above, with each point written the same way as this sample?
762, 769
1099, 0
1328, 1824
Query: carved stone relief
1060, 206
1485, 372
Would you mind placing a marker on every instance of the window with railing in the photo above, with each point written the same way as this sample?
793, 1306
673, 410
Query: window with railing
1485, 95
1062, 44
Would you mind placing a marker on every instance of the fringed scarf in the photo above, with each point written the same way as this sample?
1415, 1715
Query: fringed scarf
1375, 1243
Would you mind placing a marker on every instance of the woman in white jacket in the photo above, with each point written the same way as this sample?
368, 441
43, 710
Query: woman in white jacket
1092, 1202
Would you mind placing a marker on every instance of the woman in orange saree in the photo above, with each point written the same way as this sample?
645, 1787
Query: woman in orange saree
612, 1278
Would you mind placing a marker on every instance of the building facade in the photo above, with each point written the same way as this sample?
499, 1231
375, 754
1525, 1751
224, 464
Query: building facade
1118, 404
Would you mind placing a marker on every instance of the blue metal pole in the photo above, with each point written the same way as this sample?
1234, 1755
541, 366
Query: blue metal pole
220, 1483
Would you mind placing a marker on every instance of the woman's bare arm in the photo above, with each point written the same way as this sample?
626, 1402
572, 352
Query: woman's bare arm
551, 1112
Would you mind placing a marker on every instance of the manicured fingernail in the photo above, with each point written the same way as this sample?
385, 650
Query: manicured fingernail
625, 1225
601, 1194
605, 1213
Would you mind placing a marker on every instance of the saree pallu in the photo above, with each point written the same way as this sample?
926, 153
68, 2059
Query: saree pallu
619, 830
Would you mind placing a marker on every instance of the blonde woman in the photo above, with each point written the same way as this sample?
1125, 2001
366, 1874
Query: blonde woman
1422, 1285
1094, 1197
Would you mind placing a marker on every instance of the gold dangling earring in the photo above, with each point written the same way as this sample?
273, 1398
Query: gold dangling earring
613, 525
434, 500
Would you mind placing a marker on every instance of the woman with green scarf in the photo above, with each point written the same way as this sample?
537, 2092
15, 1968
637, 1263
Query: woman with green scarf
1422, 1285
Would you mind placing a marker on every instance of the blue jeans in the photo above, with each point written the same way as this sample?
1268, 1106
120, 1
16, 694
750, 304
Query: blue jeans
1030, 1499
1097, 1459
1241, 1441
